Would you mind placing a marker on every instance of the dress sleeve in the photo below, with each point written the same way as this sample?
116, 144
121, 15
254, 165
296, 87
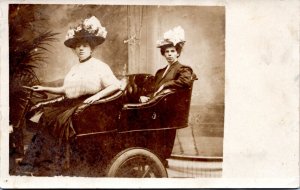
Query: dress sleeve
183, 78
108, 78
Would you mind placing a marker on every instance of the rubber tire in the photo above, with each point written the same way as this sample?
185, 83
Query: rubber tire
131, 153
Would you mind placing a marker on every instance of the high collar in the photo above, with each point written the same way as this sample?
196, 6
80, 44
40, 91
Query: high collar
86, 59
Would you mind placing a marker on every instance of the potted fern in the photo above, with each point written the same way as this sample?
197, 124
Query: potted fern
29, 43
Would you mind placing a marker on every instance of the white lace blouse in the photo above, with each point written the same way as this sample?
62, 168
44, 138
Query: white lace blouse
88, 77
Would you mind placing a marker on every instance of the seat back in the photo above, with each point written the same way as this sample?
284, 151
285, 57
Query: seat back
138, 85
167, 110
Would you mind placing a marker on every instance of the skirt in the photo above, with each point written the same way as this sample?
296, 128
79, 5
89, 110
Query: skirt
45, 155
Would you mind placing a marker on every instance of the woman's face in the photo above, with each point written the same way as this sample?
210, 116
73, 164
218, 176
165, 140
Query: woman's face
171, 54
83, 50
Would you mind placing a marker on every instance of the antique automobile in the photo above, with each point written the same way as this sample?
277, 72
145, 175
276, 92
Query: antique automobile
122, 137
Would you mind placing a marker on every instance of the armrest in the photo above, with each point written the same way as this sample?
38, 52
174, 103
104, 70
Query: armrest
110, 98
153, 101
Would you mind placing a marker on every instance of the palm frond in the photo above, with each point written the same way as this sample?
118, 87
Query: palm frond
28, 45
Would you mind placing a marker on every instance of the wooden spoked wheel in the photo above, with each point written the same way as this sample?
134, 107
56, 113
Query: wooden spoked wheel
136, 163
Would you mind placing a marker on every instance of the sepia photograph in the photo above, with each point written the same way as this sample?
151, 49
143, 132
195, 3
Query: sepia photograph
149, 94
116, 90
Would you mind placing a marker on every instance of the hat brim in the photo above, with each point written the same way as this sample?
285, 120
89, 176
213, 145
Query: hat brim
92, 40
168, 43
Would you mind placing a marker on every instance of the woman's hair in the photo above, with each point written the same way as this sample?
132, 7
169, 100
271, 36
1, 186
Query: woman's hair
82, 41
178, 48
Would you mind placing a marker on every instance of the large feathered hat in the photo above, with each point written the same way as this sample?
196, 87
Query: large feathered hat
89, 30
172, 37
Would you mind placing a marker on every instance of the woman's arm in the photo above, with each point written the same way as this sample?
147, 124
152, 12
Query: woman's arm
53, 90
105, 92
184, 78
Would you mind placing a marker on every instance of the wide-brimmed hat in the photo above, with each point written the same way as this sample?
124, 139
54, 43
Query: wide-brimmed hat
172, 37
90, 30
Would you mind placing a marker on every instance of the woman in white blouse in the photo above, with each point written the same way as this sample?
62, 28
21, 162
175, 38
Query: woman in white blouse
89, 75
88, 81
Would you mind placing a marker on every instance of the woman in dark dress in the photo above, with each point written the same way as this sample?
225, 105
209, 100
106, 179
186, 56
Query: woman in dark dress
174, 75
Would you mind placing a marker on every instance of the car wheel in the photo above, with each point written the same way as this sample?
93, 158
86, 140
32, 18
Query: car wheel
136, 163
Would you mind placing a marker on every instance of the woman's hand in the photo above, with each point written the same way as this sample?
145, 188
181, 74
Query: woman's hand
144, 99
91, 99
38, 88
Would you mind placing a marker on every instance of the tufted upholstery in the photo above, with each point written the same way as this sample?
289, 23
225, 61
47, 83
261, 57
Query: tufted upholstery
138, 85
